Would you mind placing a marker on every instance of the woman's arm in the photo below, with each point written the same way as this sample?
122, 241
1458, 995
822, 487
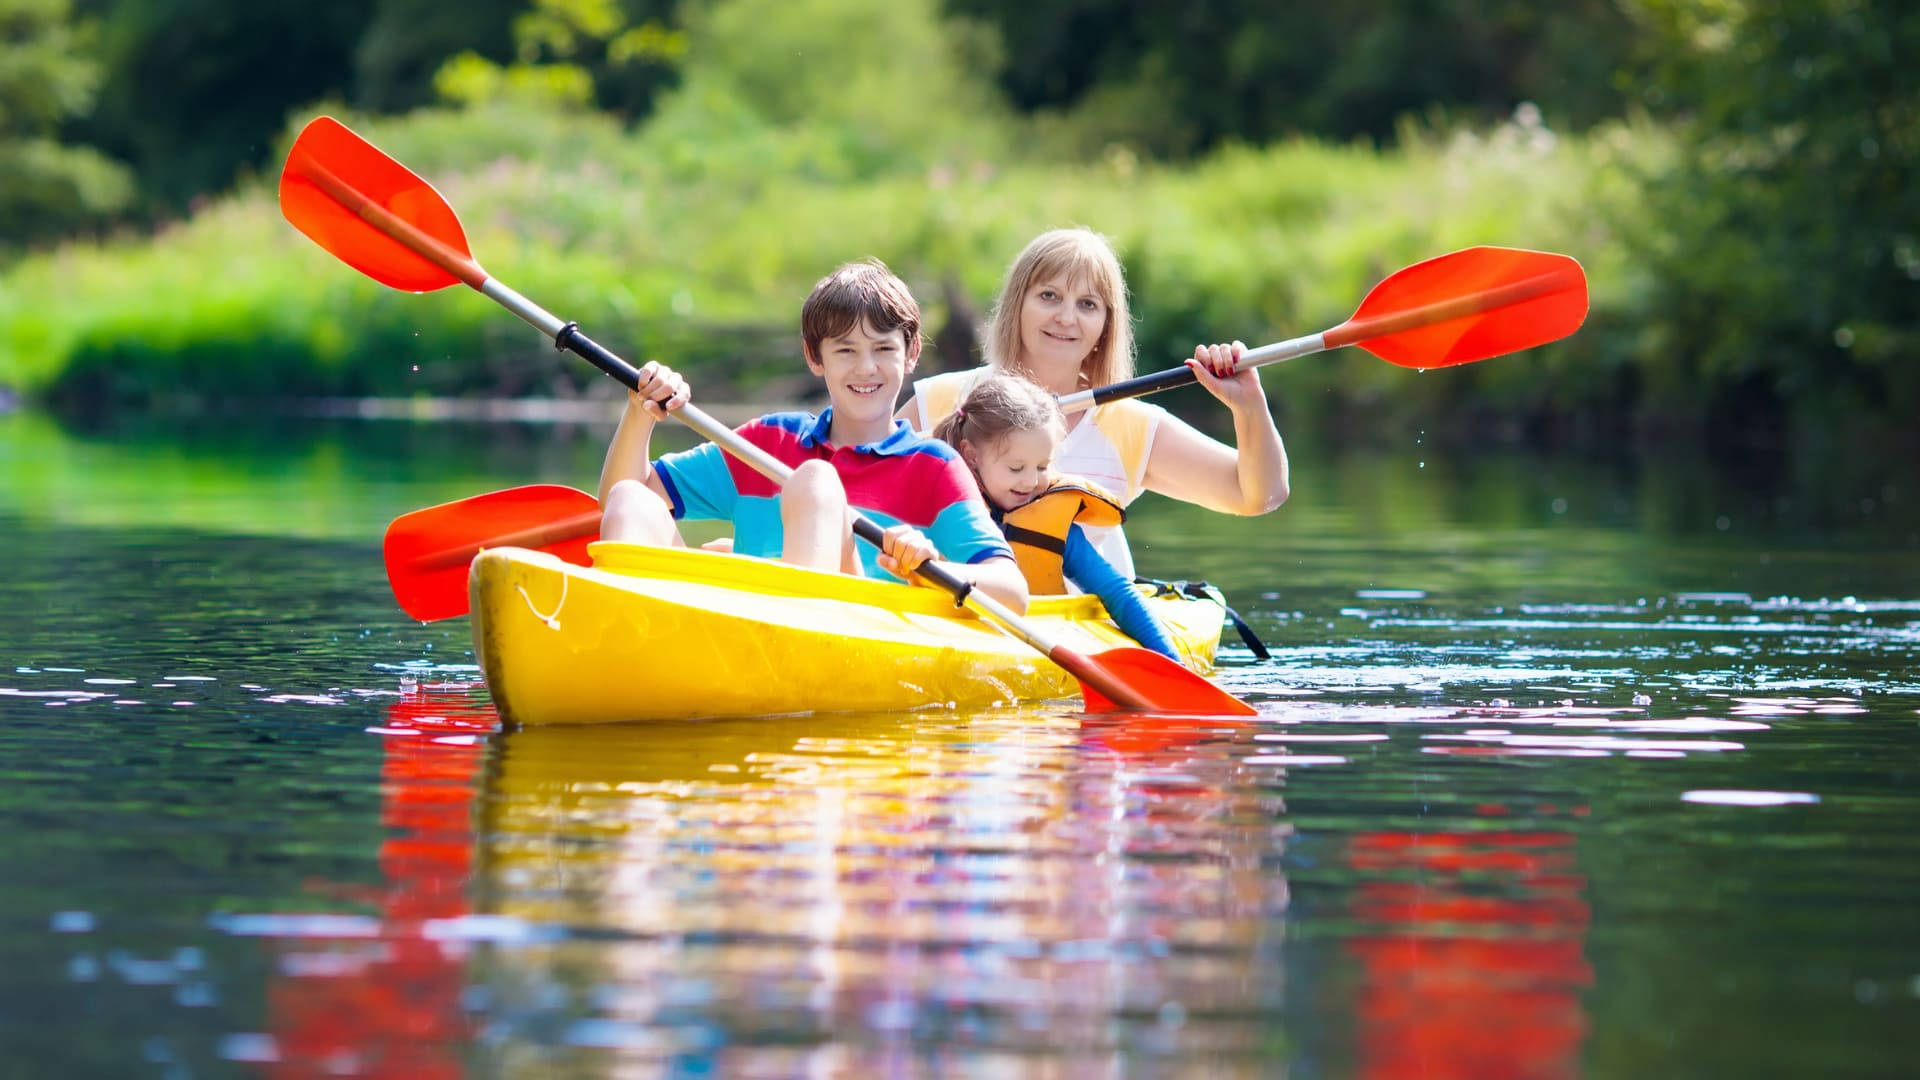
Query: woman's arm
1187, 465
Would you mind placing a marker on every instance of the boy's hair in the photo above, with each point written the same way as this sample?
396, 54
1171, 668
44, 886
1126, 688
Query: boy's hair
997, 405
862, 291
1067, 255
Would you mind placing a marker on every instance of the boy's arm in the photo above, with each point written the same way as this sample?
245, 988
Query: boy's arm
1087, 568
906, 549
629, 454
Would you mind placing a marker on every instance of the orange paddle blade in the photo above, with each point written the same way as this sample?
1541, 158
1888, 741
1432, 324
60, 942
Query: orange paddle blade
372, 212
428, 550
1141, 680
1468, 305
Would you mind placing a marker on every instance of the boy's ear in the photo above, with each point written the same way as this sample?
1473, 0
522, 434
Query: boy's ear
813, 362
913, 352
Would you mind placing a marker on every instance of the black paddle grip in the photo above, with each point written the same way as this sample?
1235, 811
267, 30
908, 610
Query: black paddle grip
570, 339
866, 529
1145, 384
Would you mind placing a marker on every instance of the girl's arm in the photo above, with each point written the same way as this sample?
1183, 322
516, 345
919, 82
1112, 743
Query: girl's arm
1090, 570
1187, 465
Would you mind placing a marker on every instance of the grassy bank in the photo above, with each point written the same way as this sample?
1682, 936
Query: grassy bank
699, 250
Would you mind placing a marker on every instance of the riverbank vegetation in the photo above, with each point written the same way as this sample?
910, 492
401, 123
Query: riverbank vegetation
676, 176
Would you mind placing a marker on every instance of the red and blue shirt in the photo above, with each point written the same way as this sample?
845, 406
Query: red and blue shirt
905, 478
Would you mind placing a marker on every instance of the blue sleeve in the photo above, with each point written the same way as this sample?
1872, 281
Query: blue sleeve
699, 483
1087, 568
963, 531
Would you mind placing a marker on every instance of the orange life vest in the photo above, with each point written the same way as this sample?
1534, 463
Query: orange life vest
1037, 532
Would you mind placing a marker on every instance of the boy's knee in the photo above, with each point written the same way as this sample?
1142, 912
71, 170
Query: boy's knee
814, 489
634, 514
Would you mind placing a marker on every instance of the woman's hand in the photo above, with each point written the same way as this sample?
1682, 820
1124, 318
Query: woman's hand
661, 390
903, 548
1217, 367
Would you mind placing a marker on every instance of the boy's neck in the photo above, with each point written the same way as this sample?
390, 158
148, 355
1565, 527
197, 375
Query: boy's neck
846, 431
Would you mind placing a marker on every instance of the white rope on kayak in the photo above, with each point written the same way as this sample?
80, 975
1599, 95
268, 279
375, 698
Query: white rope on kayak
553, 620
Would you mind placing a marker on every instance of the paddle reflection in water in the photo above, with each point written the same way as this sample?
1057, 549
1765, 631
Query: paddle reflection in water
383, 996
1471, 954
836, 893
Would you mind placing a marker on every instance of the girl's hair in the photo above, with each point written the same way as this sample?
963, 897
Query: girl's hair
1067, 255
998, 405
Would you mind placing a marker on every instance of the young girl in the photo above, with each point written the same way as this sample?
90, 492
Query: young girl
1062, 321
1007, 429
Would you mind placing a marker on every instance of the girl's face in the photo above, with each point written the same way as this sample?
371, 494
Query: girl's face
1060, 322
1013, 468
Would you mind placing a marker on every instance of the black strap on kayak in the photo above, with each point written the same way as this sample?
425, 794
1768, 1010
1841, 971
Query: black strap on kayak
1200, 590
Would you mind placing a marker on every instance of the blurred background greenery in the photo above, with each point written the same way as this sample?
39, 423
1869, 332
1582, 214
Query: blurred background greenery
1738, 176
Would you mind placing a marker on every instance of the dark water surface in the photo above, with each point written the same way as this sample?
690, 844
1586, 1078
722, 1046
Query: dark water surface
1563, 767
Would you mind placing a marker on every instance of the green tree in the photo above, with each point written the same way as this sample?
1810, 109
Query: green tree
571, 53
48, 187
196, 90
1786, 236
1179, 78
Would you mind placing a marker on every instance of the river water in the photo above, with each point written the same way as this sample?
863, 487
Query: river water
1563, 766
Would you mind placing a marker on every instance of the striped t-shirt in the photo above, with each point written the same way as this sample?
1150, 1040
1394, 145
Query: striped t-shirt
905, 478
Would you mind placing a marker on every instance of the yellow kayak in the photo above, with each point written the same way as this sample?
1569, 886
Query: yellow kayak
655, 633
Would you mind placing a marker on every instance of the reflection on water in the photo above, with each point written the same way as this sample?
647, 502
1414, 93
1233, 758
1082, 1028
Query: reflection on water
1532, 792
1470, 947
752, 893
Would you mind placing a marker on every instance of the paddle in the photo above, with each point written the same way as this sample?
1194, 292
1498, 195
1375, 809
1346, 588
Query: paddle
427, 551
378, 217
1468, 305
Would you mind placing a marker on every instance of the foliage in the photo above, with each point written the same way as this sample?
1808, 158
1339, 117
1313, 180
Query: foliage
1786, 233
1181, 78
702, 259
48, 187
195, 90
554, 44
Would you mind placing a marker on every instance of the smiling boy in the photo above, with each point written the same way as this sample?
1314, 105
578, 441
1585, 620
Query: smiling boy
860, 330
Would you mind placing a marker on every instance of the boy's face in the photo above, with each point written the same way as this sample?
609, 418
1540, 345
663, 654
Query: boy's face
864, 371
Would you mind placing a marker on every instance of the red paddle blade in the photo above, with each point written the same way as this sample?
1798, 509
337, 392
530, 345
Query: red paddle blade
1468, 305
1141, 680
428, 550
350, 198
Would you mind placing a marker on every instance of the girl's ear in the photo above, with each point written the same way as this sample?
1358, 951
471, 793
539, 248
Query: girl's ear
968, 454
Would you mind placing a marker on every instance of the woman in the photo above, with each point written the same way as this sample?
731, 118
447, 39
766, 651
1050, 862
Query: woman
1062, 321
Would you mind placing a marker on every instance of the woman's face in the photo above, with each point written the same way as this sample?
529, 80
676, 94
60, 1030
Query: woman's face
1013, 468
1060, 323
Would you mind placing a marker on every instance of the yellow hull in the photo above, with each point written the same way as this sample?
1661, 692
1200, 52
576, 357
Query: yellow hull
651, 633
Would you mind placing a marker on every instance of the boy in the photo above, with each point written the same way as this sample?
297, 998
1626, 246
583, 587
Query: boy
860, 330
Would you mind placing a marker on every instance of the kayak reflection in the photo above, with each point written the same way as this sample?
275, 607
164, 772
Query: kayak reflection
743, 894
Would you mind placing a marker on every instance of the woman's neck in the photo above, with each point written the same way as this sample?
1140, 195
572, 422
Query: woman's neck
1058, 382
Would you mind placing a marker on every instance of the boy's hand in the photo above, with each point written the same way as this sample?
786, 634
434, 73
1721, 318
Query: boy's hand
904, 548
1217, 367
661, 390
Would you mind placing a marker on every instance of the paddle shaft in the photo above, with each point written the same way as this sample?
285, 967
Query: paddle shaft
1351, 332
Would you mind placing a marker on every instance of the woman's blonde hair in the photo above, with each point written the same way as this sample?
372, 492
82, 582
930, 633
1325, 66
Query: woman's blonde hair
999, 404
1067, 255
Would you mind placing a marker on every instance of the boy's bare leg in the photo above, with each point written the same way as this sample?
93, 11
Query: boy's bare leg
634, 514
813, 517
